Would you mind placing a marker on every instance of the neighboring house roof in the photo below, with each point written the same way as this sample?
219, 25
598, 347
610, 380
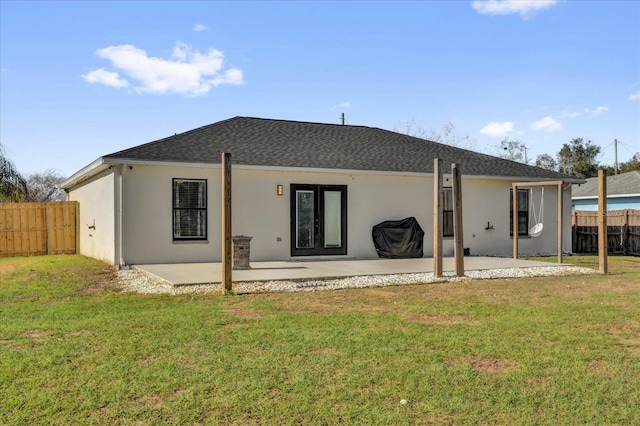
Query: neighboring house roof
293, 144
622, 185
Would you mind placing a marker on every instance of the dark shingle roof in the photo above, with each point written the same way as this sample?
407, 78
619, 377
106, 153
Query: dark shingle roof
281, 143
622, 184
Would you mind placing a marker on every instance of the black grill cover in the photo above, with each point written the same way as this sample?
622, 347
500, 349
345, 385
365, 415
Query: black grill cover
398, 239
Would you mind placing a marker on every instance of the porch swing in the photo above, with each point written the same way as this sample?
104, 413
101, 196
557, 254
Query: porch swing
536, 229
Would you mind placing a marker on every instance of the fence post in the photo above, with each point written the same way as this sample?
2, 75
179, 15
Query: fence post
47, 218
77, 221
574, 231
626, 234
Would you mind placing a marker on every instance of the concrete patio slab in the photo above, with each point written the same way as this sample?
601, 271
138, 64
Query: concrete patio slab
209, 273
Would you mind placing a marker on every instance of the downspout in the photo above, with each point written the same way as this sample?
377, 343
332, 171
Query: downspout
121, 172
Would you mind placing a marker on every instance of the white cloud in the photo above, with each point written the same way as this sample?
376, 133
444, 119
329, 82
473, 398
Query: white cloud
567, 114
526, 8
342, 105
547, 124
587, 111
200, 27
597, 111
107, 78
497, 129
187, 72
635, 96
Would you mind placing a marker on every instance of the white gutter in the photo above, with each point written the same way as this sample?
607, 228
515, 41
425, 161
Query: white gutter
121, 171
593, 197
85, 173
131, 161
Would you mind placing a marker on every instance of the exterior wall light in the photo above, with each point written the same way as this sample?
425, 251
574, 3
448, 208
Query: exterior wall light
279, 190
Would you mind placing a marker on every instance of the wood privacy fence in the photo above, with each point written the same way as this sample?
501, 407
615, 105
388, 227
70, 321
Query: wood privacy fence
31, 229
623, 231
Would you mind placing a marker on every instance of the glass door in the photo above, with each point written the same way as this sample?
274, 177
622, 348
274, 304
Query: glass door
318, 220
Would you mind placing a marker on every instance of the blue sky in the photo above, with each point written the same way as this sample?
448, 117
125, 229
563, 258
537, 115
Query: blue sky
83, 79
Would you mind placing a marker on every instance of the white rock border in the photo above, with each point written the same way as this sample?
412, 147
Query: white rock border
135, 280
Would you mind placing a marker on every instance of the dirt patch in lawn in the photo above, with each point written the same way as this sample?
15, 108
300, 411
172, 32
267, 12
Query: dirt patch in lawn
153, 402
37, 334
628, 334
601, 368
99, 280
489, 365
80, 333
8, 266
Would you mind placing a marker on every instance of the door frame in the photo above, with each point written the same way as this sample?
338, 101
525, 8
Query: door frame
318, 249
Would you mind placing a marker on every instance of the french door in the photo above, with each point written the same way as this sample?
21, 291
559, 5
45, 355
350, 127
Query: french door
318, 220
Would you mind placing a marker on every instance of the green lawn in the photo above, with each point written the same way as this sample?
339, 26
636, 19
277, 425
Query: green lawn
547, 350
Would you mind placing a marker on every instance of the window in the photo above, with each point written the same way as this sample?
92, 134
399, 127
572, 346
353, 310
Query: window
189, 209
447, 214
523, 212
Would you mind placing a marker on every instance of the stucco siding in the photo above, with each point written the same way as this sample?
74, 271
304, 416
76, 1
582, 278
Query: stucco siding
96, 198
148, 216
372, 198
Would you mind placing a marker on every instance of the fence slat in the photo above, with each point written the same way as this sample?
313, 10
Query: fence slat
623, 230
30, 229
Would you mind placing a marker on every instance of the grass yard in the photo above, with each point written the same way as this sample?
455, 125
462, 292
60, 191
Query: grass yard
74, 349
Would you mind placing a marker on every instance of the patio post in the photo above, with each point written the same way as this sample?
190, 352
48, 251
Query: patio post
514, 216
458, 249
226, 222
603, 240
437, 217
560, 221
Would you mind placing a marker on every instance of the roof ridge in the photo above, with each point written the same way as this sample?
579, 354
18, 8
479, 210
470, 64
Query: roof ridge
311, 122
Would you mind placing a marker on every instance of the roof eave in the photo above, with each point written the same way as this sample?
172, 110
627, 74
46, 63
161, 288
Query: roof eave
85, 173
594, 197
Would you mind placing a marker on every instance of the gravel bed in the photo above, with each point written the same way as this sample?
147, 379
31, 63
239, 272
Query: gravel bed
135, 280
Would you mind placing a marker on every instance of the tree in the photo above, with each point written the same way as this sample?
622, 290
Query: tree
578, 158
547, 162
631, 165
446, 135
628, 166
513, 150
45, 186
13, 186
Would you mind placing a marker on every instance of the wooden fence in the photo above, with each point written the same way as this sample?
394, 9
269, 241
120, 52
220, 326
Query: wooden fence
623, 231
31, 229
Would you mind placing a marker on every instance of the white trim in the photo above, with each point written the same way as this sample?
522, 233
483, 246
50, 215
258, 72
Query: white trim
135, 162
323, 170
85, 173
104, 162
595, 197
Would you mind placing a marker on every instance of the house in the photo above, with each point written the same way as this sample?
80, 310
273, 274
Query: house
301, 190
623, 192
